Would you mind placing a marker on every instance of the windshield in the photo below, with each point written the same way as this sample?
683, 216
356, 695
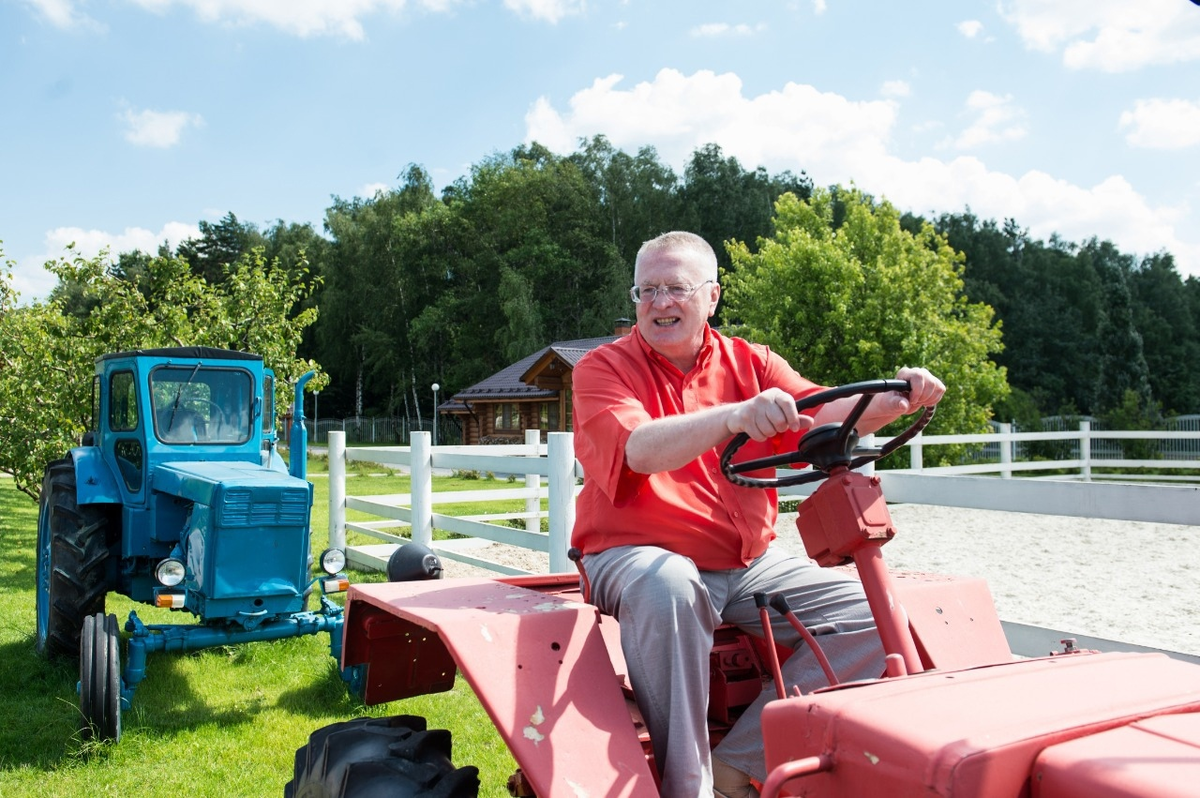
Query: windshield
201, 405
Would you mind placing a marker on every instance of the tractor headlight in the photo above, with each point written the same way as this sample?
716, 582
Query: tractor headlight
333, 561
170, 572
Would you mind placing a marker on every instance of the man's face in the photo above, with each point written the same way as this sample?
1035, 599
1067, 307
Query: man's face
675, 329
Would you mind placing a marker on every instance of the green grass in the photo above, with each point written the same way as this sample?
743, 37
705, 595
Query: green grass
222, 722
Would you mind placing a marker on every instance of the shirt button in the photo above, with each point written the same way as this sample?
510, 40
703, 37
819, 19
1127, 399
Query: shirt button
737, 515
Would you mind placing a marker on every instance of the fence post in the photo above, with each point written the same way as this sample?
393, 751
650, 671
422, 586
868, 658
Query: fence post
916, 454
337, 490
422, 488
1006, 449
1085, 450
533, 439
868, 442
561, 452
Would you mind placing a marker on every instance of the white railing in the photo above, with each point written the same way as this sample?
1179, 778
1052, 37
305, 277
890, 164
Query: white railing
551, 472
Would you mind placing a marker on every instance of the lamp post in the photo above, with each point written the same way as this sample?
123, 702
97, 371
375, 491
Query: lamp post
435, 412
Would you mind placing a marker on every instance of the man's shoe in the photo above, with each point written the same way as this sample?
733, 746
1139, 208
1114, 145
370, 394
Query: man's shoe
729, 782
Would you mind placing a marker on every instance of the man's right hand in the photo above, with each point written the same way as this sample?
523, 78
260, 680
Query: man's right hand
770, 413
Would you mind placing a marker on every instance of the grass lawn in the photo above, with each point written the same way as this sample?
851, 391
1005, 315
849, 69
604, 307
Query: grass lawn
222, 722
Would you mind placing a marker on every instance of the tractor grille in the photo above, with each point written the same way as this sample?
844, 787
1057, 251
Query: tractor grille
290, 507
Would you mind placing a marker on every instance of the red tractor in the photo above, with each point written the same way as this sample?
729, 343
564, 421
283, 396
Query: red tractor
955, 714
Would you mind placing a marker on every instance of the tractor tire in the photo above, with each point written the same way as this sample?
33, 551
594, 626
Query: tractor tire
100, 678
371, 757
72, 562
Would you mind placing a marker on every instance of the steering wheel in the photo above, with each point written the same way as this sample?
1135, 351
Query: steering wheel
215, 415
827, 446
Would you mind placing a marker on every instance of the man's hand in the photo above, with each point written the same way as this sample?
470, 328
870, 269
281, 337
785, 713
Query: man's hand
925, 390
674, 441
771, 412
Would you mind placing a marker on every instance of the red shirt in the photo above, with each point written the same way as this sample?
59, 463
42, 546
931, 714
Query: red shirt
693, 510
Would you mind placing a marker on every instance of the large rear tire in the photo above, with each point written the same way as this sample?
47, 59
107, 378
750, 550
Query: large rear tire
371, 757
72, 562
100, 678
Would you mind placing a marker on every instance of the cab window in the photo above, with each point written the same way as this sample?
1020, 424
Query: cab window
122, 402
201, 405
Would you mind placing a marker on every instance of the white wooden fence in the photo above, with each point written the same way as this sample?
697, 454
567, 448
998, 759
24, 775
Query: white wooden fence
551, 472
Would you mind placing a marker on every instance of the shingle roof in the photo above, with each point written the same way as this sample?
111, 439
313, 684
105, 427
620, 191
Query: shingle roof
507, 384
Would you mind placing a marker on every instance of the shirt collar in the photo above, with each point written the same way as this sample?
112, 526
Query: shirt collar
702, 357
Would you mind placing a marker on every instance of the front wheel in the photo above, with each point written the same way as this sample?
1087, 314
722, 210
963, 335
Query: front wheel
370, 757
100, 678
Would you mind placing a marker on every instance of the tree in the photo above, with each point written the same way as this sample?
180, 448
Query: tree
1170, 333
861, 301
722, 201
638, 194
378, 281
219, 246
47, 353
1122, 361
1049, 300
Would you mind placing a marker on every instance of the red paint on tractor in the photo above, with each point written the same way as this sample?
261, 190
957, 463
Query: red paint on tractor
537, 661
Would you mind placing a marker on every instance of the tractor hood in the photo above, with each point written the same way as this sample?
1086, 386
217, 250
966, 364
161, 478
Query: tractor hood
244, 494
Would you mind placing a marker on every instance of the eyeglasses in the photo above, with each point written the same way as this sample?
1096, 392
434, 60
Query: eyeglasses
676, 293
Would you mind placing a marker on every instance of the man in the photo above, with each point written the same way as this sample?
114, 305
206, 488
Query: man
672, 548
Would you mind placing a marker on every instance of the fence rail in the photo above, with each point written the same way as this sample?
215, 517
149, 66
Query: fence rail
395, 430
551, 473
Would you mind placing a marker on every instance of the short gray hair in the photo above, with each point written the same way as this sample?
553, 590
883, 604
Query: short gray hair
680, 239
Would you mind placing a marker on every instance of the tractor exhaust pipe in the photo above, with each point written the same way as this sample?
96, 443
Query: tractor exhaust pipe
298, 446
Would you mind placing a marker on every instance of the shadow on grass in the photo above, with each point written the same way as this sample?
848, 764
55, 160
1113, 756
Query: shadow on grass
323, 695
40, 711
40, 715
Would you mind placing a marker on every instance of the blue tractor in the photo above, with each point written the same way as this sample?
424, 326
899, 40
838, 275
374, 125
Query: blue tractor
177, 498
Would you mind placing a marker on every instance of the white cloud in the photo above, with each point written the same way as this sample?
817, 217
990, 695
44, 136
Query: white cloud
837, 140
32, 280
678, 114
160, 129
342, 18
371, 189
818, 6
970, 28
63, 14
996, 120
1109, 35
1162, 124
895, 88
715, 30
298, 17
546, 10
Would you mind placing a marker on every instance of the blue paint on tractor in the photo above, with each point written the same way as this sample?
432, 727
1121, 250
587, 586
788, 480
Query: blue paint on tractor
181, 464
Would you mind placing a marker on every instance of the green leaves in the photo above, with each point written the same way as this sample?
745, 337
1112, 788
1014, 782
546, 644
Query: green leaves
861, 299
48, 349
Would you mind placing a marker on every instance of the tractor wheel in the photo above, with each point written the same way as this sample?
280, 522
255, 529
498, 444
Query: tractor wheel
100, 678
72, 562
371, 757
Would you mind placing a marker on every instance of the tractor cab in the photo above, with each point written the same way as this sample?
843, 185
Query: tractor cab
152, 406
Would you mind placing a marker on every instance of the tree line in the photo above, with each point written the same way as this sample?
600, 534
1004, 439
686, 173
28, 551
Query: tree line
531, 247
414, 286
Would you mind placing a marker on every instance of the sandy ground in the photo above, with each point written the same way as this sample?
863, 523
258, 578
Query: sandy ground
1136, 582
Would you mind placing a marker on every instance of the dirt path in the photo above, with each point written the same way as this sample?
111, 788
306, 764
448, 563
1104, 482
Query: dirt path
1137, 582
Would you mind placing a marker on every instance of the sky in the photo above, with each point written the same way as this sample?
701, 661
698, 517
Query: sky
124, 123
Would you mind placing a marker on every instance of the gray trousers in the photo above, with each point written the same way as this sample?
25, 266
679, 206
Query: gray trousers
668, 611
